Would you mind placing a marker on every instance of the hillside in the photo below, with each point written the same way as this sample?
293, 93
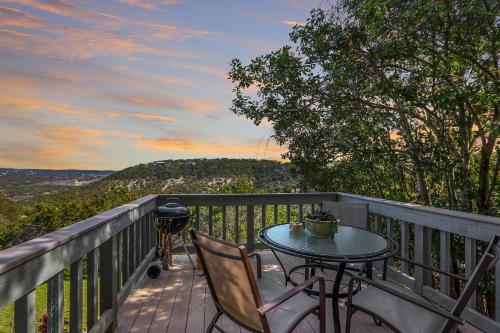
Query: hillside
24, 184
201, 175
35, 202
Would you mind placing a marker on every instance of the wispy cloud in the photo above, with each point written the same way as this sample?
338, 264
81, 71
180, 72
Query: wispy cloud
294, 23
15, 103
170, 102
149, 4
17, 18
217, 72
150, 116
209, 148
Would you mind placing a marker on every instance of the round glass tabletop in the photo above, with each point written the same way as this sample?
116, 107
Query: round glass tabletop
347, 243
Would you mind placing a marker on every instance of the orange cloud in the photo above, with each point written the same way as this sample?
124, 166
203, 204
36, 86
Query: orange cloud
144, 101
15, 17
63, 8
294, 23
203, 148
25, 103
102, 38
173, 102
149, 116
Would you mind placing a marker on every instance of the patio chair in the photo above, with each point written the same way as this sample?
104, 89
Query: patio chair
254, 302
351, 214
402, 310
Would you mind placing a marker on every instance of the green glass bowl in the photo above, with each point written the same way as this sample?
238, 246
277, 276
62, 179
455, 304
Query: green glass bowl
321, 229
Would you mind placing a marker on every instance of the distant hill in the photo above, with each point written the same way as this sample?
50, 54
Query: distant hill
199, 175
23, 184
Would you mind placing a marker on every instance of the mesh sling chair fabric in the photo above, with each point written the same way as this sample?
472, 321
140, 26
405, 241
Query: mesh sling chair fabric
254, 302
402, 310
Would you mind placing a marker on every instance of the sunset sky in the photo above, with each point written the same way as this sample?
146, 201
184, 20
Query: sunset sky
109, 84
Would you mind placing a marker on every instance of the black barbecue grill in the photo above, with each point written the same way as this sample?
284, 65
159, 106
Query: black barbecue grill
170, 219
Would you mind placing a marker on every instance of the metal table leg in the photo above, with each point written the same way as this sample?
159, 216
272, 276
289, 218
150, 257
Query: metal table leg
335, 297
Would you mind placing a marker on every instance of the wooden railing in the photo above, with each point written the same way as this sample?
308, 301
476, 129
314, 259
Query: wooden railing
410, 225
117, 245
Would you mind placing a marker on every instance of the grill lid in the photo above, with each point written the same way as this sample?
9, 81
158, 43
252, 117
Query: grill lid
172, 210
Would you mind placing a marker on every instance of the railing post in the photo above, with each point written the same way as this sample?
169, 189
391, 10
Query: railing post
131, 248
145, 233
405, 240
24, 314
76, 299
210, 221
224, 222
444, 261
108, 286
288, 213
275, 210
263, 216
55, 303
390, 234
301, 212
378, 229
138, 236
152, 231
470, 264
422, 255
497, 288
197, 218
125, 256
250, 228
237, 224
92, 285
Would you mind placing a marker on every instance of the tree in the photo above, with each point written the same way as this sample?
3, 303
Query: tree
397, 99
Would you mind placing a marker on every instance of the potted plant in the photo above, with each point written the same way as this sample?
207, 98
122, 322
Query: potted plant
321, 224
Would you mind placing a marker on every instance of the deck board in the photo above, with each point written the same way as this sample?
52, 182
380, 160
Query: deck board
179, 301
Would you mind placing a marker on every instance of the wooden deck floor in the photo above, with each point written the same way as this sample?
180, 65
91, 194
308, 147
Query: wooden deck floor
179, 301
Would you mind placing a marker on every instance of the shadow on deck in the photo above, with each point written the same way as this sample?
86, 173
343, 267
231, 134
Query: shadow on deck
179, 301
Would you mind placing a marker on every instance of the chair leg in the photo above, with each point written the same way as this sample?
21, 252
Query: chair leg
348, 319
322, 321
213, 322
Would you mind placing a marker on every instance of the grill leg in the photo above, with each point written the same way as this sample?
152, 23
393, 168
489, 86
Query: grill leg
166, 257
184, 245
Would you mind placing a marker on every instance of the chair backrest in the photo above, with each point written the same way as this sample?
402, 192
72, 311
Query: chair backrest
230, 278
351, 214
489, 256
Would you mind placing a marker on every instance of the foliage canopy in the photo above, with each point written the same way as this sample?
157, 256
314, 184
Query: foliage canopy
397, 99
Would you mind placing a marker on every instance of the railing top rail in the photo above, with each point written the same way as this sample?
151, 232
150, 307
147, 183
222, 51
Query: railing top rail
17, 255
433, 210
249, 198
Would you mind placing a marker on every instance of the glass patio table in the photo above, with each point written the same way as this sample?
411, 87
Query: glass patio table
348, 245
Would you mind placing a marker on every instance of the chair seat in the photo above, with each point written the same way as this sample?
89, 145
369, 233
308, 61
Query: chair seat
398, 313
287, 315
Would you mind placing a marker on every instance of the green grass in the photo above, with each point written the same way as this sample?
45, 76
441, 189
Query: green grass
7, 312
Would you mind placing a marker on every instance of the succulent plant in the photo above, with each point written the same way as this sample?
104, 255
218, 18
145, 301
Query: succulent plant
321, 215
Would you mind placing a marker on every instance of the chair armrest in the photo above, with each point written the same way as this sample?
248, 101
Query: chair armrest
292, 292
407, 298
259, 263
